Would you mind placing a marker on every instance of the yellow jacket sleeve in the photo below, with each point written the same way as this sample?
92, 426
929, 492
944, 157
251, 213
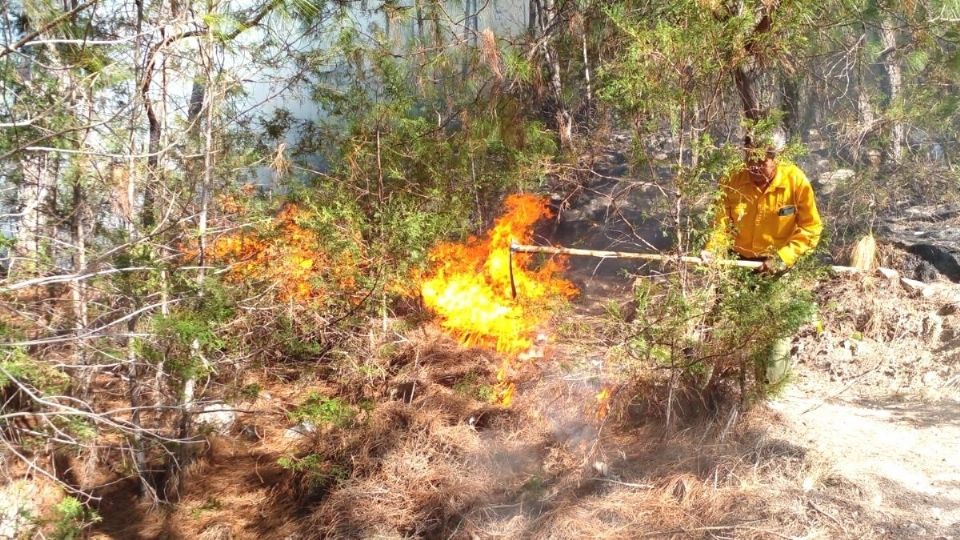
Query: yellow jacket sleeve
720, 239
807, 233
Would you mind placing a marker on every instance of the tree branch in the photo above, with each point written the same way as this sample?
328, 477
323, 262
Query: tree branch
27, 38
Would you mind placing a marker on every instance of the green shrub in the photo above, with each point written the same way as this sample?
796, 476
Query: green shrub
709, 335
321, 410
315, 468
72, 518
17, 364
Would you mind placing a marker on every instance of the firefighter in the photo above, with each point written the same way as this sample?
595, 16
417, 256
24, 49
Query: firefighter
766, 213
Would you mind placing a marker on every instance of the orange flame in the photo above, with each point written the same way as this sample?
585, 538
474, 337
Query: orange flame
468, 287
603, 403
288, 255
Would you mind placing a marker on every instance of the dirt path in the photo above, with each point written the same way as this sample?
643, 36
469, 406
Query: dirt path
905, 456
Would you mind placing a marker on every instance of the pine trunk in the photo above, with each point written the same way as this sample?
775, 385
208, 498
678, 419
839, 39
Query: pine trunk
888, 34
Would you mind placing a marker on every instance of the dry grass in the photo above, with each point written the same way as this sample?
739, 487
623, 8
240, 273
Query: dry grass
490, 54
547, 469
280, 164
434, 460
864, 254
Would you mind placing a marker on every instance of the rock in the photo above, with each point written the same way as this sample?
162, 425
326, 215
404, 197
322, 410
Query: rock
916, 530
912, 284
601, 468
932, 379
219, 417
18, 510
251, 432
300, 431
942, 293
932, 328
936, 152
888, 273
22, 503
932, 233
828, 181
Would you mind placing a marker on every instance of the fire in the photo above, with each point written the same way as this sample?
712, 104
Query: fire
468, 287
603, 403
288, 255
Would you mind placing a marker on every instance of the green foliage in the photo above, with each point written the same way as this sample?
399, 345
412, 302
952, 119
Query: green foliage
295, 339
210, 505
723, 332
251, 391
187, 337
756, 311
72, 518
82, 429
17, 364
315, 468
473, 387
319, 409
672, 50
412, 161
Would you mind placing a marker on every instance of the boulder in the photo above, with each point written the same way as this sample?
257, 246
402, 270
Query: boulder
300, 431
932, 233
827, 182
218, 417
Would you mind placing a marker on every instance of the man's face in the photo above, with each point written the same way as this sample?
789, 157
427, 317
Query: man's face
761, 164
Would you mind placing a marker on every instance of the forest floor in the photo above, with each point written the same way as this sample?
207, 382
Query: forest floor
863, 443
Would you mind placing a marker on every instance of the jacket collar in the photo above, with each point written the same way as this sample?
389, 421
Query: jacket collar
779, 178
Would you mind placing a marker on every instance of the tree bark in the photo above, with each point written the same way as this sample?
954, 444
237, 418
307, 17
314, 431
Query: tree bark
866, 118
745, 74
888, 35
547, 18
745, 81
202, 101
77, 287
532, 16
34, 194
792, 117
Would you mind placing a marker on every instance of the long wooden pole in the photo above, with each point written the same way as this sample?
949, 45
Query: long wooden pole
520, 248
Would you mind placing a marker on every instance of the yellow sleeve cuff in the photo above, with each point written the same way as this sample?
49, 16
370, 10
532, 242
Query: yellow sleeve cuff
788, 255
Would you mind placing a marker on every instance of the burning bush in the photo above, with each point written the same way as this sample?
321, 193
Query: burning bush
287, 255
469, 285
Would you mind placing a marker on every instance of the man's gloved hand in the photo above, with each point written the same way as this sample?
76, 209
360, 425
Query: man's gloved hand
707, 257
772, 265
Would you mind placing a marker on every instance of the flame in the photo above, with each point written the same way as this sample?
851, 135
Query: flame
603, 403
468, 287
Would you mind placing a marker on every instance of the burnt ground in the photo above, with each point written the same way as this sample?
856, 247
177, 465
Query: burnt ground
862, 444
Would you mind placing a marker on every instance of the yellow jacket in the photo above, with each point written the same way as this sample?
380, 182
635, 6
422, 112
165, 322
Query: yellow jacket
783, 219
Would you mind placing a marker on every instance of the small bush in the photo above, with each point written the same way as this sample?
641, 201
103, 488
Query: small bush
322, 410
315, 469
72, 518
717, 331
